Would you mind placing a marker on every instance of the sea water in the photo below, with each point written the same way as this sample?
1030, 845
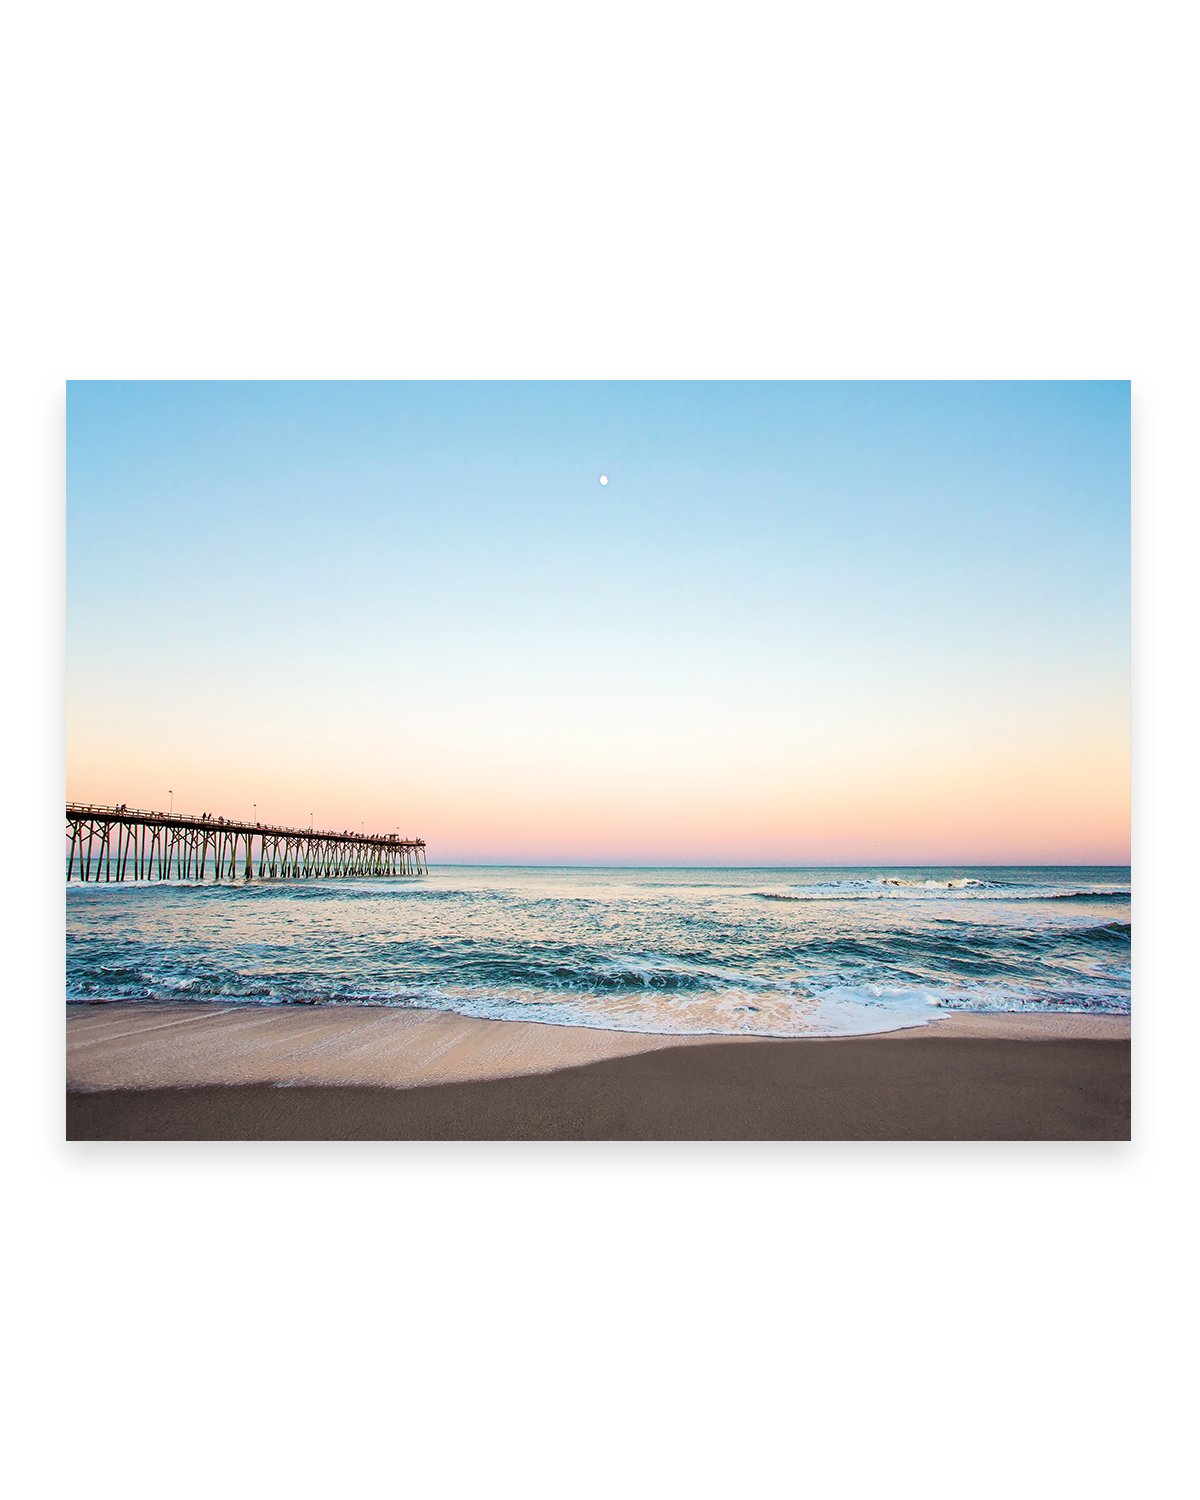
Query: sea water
714, 952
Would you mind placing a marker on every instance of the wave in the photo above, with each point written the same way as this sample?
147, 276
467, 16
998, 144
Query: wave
621, 952
838, 1009
893, 890
1090, 896
776, 990
1107, 933
294, 888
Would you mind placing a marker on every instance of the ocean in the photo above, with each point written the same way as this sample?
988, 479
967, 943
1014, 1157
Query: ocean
770, 952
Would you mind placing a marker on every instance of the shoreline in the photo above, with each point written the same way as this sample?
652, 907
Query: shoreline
207, 1071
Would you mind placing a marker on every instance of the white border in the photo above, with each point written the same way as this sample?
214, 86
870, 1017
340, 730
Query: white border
659, 190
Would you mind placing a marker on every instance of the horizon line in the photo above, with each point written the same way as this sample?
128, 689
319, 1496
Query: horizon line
491, 864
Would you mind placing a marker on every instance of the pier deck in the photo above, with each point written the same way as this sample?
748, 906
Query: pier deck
137, 844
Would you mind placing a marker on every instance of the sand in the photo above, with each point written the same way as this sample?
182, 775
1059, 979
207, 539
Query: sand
211, 1072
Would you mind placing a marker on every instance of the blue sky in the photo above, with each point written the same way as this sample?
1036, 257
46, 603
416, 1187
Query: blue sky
414, 601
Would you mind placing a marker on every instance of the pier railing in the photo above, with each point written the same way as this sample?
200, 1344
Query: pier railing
141, 844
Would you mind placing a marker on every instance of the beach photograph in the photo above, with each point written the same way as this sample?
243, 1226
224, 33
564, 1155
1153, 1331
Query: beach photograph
598, 760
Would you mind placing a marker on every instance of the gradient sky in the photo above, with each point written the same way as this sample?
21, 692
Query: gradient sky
802, 624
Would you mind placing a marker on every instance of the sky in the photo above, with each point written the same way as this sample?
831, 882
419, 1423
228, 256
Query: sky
802, 623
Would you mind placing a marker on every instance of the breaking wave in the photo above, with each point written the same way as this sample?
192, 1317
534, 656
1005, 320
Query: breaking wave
686, 953
897, 890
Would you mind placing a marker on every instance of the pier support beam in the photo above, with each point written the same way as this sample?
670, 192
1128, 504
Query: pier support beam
170, 846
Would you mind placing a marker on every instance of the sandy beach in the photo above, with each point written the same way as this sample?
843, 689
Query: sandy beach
213, 1072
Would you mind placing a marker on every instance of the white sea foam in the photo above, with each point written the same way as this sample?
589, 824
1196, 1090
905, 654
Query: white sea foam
674, 952
889, 888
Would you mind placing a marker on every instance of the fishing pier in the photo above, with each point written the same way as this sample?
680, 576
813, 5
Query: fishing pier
133, 844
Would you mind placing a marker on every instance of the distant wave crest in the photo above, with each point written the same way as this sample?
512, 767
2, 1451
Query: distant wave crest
896, 889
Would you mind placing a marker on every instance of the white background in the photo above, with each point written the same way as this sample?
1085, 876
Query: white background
602, 190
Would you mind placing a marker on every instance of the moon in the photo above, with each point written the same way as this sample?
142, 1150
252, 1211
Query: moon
604, 479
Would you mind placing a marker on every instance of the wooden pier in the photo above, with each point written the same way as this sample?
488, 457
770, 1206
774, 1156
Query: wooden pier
133, 844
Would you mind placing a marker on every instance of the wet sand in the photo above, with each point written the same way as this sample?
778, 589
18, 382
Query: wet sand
190, 1072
